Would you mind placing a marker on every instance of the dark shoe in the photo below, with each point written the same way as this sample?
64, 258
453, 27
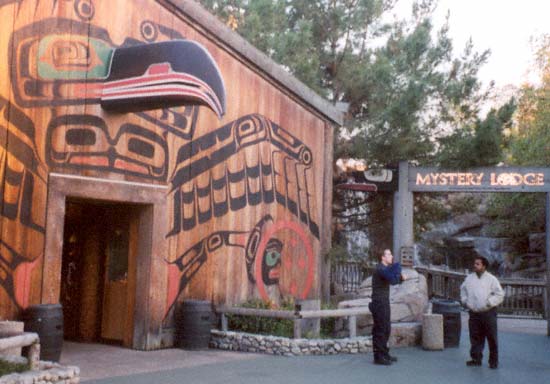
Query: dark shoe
382, 362
391, 358
493, 365
473, 363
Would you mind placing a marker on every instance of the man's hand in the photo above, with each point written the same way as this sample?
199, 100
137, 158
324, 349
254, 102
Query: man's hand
403, 277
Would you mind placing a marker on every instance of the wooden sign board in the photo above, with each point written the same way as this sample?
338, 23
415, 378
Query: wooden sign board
490, 179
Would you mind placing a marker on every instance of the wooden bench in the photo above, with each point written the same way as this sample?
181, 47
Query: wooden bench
24, 339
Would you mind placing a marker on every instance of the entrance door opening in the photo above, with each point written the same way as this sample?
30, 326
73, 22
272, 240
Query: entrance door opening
98, 272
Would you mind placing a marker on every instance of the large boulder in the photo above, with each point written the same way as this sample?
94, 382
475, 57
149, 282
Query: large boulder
451, 228
408, 300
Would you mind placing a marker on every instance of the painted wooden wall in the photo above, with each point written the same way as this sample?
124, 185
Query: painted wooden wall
245, 198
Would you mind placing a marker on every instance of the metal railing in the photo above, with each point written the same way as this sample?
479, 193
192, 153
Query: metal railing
523, 297
350, 274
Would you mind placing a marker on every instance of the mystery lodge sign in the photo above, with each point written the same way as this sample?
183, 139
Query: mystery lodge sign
479, 180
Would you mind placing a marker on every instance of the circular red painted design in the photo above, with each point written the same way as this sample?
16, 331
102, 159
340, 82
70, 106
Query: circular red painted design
304, 262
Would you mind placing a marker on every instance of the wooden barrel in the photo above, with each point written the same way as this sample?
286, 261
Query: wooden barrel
450, 310
47, 321
193, 324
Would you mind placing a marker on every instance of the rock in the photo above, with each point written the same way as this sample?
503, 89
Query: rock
406, 334
432, 332
460, 242
452, 227
408, 300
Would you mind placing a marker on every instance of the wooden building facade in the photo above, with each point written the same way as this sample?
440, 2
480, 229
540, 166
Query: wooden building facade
148, 154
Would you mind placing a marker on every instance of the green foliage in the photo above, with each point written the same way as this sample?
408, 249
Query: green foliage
428, 208
528, 145
338, 253
479, 145
403, 86
464, 203
530, 140
516, 215
7, 367
263, 325
273, 326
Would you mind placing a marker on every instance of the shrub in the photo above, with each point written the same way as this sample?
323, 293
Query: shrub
263, 325
7, 367
274, 326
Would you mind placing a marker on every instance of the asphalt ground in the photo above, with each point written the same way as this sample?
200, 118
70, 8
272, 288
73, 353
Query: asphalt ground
524, 359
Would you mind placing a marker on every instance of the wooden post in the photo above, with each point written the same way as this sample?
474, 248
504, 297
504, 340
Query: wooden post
224, 322
402, 213
352, 324
297, 328
547, 296
34, 356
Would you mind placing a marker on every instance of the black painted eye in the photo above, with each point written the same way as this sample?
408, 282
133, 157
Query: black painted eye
214, 242
306, 156
80, 136
142, 148
149, 31
84, 9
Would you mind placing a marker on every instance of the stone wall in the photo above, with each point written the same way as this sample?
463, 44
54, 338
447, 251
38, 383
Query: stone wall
275, 345
48, 373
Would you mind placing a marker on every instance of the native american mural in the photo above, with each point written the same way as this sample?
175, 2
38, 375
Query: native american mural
144, 97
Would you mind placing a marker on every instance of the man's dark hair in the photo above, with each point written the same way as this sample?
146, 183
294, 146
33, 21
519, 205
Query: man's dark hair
380, 255
484, 261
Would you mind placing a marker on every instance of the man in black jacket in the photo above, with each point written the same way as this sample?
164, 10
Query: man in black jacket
387, 273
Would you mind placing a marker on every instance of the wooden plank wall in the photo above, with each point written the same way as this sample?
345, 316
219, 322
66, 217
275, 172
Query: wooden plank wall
246, 208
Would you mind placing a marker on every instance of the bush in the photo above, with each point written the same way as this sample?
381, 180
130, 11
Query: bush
263, 325
7, 367
274, 326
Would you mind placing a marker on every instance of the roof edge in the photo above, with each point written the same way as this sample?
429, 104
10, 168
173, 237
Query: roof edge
233, 40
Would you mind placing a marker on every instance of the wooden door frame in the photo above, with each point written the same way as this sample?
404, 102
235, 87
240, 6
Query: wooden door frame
151, 269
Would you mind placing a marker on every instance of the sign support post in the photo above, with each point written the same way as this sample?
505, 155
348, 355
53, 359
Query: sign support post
547, 298
403, 206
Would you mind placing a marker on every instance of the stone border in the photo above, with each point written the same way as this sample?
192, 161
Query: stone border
48, 372
276, 345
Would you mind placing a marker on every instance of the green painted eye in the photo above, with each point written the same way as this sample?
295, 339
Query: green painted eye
272, 258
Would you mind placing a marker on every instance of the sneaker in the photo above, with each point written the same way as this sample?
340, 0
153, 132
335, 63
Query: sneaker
473, 363
391, 358
493, 365
382, 362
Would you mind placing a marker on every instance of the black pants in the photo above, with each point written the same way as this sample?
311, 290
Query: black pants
483, 325
381, 328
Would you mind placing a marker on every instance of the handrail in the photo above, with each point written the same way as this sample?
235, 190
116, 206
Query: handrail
523, 297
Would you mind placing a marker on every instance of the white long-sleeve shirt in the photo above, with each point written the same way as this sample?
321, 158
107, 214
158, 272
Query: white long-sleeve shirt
481, 293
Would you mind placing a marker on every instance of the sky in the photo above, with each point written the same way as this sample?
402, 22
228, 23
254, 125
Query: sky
503, 26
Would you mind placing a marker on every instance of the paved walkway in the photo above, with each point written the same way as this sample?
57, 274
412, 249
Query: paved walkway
525, 358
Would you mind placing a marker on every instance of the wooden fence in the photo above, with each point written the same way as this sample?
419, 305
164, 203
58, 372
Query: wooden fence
523, 297
296, 316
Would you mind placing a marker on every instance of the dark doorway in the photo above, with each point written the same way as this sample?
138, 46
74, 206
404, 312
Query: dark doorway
98, 271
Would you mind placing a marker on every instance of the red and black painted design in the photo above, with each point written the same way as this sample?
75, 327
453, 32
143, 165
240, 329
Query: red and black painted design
279, 173
163, 74
23, 185
87, 144
30, 89
264, 251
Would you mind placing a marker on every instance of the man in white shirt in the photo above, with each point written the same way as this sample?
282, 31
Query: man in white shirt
481, 293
